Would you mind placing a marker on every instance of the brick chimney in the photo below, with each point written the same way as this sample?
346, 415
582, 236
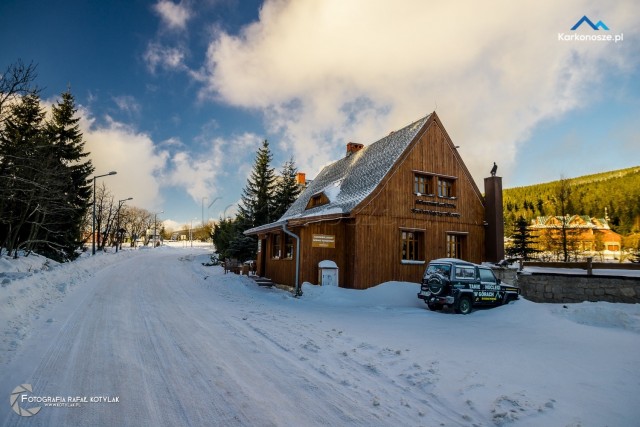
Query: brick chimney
301, 178
353, 147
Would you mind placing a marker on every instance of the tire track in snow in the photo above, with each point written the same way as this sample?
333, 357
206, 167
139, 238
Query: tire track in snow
316, 351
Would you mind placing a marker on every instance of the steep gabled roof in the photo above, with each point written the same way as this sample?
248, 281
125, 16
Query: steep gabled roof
348, 181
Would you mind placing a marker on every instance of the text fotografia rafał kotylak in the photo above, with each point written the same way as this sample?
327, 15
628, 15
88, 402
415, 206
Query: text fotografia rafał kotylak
69, 399
21, 396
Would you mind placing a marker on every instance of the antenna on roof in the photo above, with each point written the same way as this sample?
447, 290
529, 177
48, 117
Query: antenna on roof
436, 106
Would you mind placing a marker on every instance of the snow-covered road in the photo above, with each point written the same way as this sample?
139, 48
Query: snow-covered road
170, 342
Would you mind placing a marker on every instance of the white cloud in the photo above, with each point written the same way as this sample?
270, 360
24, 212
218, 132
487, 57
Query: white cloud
204, 174
325, 73
174, 16
168, 58
128, 104
172, 225
132, 154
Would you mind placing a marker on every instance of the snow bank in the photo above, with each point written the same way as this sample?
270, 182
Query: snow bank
385, 295
602, 314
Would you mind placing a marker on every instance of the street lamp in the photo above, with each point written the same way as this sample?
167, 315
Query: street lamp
120, 203
203, 210
93, 226
155, 222
191, 232
211, 204
209, 207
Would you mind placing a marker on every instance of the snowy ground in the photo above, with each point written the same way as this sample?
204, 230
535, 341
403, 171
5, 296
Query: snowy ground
171, 342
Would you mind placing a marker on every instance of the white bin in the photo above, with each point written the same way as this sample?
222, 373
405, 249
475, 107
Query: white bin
327, 273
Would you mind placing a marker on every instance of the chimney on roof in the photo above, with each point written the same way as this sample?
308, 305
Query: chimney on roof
353, 147
301, 178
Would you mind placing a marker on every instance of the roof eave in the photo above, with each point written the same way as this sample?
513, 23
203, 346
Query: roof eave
294, 222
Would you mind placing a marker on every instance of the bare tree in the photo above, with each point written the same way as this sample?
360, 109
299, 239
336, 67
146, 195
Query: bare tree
105, 215
16, 81
136, 221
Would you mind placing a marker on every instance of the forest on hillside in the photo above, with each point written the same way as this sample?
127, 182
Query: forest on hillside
614, 195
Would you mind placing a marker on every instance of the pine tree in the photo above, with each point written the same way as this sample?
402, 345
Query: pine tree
257, 197
64, 134
45, 189
287, 189
522, 241
257, 206
23, 170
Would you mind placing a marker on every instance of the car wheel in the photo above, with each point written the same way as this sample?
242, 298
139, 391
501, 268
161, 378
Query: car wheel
435, 307
464, 305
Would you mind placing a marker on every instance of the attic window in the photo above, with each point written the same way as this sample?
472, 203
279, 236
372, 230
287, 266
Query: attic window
422, 184
446, 188
318, 199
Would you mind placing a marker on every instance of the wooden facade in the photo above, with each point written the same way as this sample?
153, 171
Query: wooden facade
425, 206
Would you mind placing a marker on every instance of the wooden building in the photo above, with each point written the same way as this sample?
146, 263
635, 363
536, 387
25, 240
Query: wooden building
381, 213
584, 234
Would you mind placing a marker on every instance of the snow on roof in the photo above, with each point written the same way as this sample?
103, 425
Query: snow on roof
571, 221
348, 181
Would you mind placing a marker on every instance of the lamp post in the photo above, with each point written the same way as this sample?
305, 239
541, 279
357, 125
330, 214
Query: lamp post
155, 222
191, 232
203, 210
93, 226
209, 207
120, 203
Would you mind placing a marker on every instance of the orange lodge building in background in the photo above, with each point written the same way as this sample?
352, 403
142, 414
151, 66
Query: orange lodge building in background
584, 234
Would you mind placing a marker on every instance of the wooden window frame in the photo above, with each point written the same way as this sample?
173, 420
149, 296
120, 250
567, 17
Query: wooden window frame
276, 246
288, 247
456, 244
422, 184
446, 188
412, 246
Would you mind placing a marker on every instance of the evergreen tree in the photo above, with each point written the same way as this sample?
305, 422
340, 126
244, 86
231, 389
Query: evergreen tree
23, 169
257, 197
287, 189
223, 233
45, 189
64, 134
231, 242
256, 207
522, 241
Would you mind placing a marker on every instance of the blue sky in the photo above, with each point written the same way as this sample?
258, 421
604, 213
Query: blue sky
177, 96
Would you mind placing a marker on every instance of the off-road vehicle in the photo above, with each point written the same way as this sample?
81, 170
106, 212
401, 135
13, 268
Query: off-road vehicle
463, 285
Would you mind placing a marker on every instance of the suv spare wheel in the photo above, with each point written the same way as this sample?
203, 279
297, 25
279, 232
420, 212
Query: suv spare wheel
436, 283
